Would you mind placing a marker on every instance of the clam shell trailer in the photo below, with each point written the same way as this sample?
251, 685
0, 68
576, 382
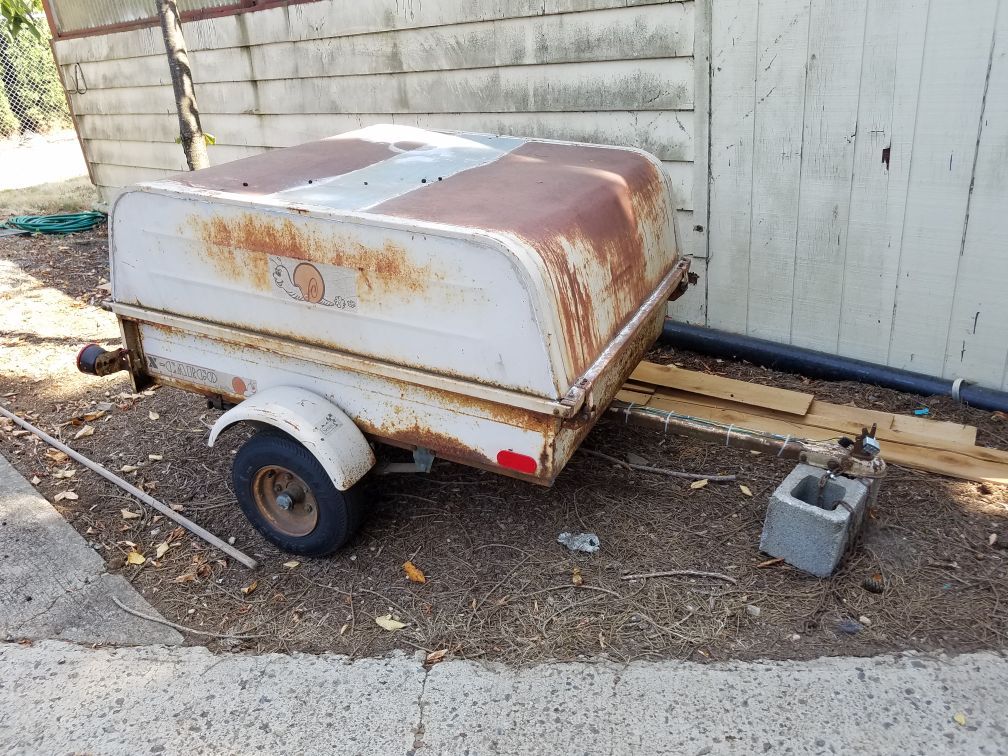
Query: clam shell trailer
466, 296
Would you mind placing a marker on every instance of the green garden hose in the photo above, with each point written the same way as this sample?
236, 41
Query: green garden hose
66, 223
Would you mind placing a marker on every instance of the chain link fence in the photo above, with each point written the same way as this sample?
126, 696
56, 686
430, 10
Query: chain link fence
31, 95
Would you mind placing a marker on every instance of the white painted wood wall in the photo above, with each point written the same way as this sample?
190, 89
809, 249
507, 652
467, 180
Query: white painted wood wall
857, 197
802, 233
605, 71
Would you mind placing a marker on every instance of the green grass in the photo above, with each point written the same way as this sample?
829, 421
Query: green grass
70, 196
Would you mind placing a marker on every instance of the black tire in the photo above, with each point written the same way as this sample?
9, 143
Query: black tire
337, 514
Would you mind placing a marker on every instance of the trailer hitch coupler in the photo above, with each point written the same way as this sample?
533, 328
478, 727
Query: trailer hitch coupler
94, 360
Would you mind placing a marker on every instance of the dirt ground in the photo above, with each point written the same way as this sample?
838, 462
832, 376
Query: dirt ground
498, 584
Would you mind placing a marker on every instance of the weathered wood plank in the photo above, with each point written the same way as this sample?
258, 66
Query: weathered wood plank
666, 134
680, 177
893, 50
662, 31
614, 85
160, 155
733, 102
321, 20
777, 146
729, 389
691, 228
978, 334
948, 112
109, 175
832, 89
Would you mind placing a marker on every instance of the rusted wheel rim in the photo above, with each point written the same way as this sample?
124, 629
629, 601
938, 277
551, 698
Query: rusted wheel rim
285, 501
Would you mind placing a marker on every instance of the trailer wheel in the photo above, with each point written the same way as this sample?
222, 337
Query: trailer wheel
287, 495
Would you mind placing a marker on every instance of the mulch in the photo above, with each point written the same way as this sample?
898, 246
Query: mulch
498, 585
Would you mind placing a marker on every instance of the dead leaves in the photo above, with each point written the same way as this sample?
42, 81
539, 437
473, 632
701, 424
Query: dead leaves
697, 484
414, 573
436, 656
161, 549
135, 557
68, 495
153, 415
128, 515
64, 474
85, 431
248, 589
55, 455
746, 491
388, 622
292, 564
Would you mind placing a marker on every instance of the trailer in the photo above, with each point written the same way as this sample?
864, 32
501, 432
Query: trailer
471, 297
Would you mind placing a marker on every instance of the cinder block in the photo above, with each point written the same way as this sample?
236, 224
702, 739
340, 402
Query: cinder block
809, 531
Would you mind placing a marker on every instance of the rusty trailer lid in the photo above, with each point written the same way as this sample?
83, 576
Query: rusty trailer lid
591, 225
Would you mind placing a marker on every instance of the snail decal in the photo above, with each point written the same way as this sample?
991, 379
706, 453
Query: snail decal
306, 284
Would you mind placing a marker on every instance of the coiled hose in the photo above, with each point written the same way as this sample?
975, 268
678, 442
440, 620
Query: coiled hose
66, 223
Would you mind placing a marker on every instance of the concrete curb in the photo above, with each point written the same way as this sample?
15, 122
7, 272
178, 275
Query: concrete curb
60, 698
53, 585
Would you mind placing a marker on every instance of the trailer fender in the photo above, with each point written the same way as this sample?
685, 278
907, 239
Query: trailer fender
322, 427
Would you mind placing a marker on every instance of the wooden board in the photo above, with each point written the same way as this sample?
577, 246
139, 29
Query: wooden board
957, 461
893, 48
732, 112
782, 54
661, 31
830, 121
952, 84
839, 420
978, 334
782, 400
327, 18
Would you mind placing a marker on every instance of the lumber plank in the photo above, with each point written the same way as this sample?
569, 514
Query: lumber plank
957, 460
782, 400
951, 432
633, 397
846, 420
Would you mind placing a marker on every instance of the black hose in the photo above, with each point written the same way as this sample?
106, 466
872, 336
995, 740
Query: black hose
830, 367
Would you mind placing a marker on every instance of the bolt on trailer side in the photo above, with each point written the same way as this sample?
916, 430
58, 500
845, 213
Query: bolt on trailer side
475, 322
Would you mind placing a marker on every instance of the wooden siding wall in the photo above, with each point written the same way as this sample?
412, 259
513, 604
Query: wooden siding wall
857, 196
605, 71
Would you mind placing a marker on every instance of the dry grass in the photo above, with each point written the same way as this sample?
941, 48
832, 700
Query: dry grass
498, 585
70, 196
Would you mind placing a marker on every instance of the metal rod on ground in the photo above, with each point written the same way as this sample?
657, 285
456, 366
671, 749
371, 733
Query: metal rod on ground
710, 430
164, 509
659, 470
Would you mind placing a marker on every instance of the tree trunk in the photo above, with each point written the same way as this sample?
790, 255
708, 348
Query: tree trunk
193, 141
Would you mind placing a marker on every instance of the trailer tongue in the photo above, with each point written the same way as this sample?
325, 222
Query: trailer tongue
472, 297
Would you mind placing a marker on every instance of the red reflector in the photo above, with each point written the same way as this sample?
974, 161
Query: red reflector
515, 461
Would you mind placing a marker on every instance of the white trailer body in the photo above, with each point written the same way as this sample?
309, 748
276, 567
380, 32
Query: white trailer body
480, 297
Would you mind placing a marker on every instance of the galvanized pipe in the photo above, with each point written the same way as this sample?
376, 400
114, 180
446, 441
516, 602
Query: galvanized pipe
167, 511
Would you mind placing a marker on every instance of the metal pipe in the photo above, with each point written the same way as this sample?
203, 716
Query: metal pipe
167, 511
830, 367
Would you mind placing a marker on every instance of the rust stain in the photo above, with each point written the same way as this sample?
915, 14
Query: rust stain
277, 170
240, 246
589, 213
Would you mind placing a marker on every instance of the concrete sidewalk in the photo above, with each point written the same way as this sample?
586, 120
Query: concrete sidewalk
53, 585
61, 698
